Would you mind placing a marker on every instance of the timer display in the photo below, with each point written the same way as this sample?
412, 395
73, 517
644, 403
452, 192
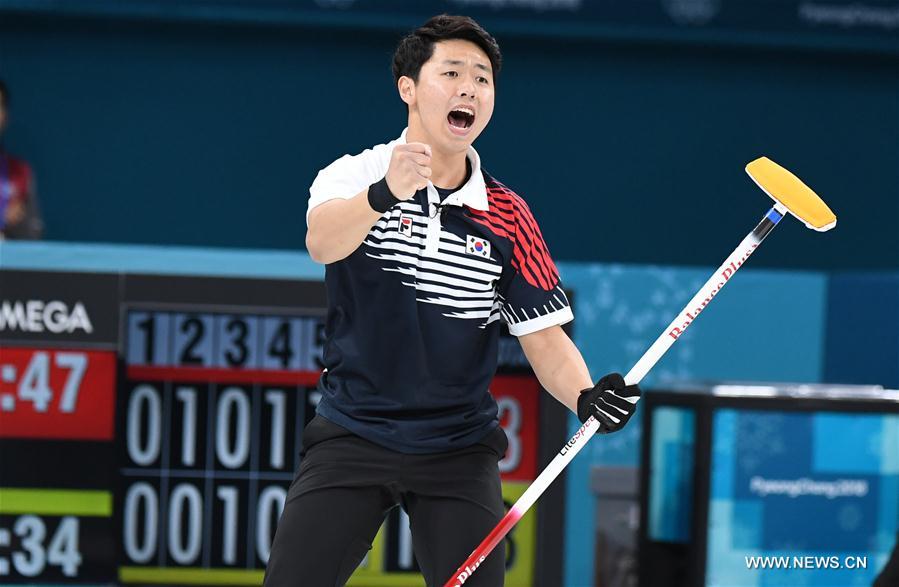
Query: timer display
55, 535
58, 394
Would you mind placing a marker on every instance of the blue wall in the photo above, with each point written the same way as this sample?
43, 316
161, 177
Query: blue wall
863, 329
209, 134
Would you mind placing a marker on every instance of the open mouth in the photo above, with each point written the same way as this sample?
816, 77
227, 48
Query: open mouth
461, 118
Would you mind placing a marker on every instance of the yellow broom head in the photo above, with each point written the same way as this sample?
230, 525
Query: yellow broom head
788, 190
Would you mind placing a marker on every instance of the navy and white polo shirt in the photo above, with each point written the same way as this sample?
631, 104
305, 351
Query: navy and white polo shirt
412, 331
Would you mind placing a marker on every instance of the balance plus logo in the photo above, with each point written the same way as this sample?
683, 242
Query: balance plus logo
39, 316
726, 274
468, 571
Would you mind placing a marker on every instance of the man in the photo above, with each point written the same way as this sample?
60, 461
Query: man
426, 254
19, 214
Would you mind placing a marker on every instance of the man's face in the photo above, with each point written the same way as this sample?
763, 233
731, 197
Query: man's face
452, 102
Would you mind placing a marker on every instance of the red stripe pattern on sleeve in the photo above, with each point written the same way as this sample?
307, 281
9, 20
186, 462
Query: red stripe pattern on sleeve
508, 216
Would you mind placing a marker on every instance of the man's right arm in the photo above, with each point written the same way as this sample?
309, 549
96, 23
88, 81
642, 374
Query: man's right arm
337, 227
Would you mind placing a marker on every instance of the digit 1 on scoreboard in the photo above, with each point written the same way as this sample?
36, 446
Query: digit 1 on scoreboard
187, 396
276, 398
148, 326
229, 496
148, 338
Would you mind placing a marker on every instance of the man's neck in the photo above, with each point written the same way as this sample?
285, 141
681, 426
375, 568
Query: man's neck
448, 170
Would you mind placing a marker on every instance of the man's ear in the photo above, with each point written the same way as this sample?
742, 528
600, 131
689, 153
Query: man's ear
406, 87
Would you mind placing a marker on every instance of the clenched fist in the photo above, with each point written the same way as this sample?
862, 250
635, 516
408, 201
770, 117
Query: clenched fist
611, 401
409, 170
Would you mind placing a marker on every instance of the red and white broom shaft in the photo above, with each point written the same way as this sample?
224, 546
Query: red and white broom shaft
580, 439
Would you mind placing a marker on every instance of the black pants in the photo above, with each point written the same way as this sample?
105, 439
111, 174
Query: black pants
346, 486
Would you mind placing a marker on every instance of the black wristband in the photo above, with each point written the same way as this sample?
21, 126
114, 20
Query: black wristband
380, 198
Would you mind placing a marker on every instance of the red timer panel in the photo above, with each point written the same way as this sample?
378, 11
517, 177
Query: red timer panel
57, 394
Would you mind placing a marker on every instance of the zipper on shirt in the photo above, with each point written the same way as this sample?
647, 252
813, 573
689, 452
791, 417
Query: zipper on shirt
432, 236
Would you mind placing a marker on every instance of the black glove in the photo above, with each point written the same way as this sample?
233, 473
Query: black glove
610, 401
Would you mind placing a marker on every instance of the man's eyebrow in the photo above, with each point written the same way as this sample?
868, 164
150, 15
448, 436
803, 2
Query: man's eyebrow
458, 62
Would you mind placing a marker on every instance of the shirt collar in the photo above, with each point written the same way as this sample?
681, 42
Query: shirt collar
474, 193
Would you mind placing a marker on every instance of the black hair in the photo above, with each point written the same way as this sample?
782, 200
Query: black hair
417, 47
4, 95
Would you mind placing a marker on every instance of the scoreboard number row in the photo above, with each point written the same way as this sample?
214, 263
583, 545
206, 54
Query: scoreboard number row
233, 428
173, 339
192, 522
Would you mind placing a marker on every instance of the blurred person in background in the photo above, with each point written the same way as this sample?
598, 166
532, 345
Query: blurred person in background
425, 251
19, 213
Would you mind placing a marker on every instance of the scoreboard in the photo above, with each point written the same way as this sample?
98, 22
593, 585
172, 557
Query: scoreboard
212, 405
150, 426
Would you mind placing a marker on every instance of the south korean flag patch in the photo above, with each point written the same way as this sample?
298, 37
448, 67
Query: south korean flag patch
478, 246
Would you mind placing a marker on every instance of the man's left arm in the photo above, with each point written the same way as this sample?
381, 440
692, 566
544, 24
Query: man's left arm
561, 370
558, 364
535, 307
